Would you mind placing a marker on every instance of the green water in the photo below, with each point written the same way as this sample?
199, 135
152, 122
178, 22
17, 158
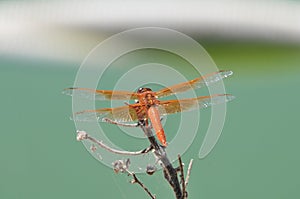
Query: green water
257, 155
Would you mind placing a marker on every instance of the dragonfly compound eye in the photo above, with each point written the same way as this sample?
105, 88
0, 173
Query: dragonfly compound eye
142, 90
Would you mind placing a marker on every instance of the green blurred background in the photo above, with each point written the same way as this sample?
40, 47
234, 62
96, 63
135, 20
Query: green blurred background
257, 155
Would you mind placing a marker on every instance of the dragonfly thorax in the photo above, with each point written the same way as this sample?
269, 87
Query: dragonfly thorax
147, 96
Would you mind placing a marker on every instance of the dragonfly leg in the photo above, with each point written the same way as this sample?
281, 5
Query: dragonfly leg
143, 123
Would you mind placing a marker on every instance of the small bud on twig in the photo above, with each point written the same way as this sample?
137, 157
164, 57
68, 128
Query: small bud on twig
93, 148
151, 169
81, 135
121, 165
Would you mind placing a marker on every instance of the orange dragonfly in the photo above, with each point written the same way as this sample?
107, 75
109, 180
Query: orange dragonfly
147, 106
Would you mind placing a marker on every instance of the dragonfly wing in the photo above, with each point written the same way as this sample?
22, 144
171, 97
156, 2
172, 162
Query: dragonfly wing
118, 114
100, 94
195, 83
175, 106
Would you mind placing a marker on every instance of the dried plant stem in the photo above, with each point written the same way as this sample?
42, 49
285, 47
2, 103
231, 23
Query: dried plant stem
188, 172
123, 167
182, 177
136, 180
82, 135
170, 173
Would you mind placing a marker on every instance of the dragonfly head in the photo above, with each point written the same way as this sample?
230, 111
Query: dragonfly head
142, 90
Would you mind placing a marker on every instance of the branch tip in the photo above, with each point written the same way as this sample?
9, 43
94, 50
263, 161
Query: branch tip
189, 172
121, 166
81, 135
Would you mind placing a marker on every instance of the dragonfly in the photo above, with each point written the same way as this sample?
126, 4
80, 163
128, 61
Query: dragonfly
147, 106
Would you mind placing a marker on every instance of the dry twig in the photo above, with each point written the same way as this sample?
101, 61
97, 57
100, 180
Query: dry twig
170, 173
188, 172
182, 177
136, 180
122, 166
82, 135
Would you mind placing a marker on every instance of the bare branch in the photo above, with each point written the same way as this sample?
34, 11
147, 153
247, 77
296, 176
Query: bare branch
182, 177
170, 173
136, 180
82, 135
189, 172
122, 166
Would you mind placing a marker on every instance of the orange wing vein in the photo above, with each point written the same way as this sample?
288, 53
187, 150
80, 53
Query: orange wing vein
118, 114
175, 106
100, 94
134, 112
194, 84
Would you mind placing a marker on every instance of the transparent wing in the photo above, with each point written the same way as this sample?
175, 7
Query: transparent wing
194, 84
100, 94
175, 106
119, 114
